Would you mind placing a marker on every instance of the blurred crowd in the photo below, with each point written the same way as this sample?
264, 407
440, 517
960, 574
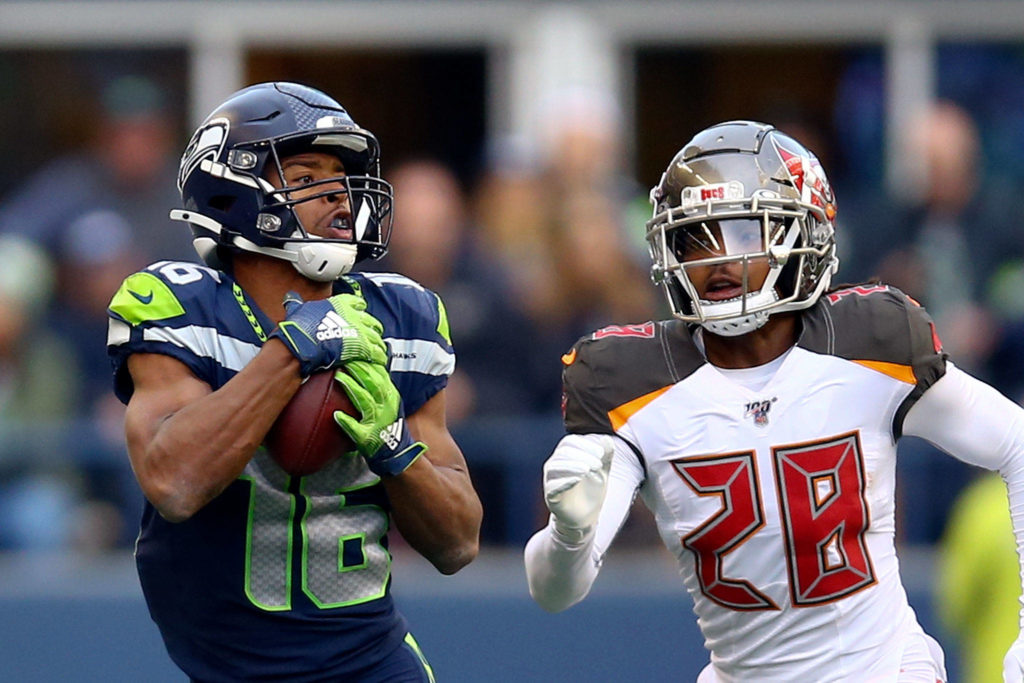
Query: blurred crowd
544, 244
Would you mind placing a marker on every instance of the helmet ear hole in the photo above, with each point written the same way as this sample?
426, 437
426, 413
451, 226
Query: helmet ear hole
222, 203
787, 278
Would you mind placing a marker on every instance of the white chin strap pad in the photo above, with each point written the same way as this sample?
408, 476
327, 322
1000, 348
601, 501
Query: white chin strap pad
736, 326
322, 262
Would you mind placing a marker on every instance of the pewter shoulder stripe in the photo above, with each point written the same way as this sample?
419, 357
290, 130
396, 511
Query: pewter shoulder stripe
420, 355
233, 354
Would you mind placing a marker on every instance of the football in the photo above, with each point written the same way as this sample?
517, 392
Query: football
305, 438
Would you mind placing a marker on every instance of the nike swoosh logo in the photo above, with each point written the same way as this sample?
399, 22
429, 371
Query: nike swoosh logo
144, 299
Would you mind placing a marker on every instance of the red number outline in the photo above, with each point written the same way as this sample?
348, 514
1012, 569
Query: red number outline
821, 486
645, 330
733, 479
858, 290
823, 512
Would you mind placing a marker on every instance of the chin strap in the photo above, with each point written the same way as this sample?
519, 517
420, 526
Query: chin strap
736, 326
317, 260
322, 262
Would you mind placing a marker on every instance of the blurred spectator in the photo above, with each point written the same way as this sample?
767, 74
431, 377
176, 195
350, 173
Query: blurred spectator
435, 244
978, 579
99, 215
955, 239
96, 253
562, 216
558, 220
948, 244
129, 166
33, 375
64, 479
38, 491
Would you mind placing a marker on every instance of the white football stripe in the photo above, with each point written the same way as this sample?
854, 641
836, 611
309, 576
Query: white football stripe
233, 354
381, 279
118, 332
420, 355
408, 355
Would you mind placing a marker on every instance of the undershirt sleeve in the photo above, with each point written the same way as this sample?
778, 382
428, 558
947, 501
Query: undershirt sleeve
560, 573
975, 423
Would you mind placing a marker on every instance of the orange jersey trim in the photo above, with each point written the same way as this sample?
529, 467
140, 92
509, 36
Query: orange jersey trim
903, 373
618, 416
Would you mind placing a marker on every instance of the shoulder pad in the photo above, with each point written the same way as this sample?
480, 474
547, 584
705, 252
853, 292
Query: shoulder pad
609, 374
171, 308
416, 329
161, 291
418, 311
878, 326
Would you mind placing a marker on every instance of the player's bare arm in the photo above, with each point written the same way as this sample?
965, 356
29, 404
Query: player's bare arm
187, 442
434, 504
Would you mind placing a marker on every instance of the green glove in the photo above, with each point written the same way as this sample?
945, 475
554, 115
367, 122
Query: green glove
327, 332
381, 434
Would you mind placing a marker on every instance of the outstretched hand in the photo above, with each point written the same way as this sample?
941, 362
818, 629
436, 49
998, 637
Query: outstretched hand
575, 482
328, 332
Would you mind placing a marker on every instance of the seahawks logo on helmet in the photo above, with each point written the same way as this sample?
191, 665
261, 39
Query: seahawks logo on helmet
207, 143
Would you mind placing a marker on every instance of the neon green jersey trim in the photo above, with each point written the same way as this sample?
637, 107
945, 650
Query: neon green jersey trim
143, 297
442, 321
249, 315
354, 285
411, 642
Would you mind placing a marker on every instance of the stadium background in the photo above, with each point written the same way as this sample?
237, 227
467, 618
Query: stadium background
493, 91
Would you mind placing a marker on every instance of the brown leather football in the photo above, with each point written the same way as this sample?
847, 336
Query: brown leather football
305, 438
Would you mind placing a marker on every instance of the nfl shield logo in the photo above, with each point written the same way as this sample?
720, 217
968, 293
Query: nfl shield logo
758, 410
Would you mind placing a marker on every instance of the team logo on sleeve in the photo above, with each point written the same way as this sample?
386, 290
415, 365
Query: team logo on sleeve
758, 410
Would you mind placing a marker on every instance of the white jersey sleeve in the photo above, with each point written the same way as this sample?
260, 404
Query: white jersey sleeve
975, 423
561, 573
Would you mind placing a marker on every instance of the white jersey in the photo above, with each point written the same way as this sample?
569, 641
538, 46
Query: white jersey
778, 502
789, 529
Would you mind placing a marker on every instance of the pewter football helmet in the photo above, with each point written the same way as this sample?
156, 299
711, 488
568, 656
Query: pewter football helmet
743, 192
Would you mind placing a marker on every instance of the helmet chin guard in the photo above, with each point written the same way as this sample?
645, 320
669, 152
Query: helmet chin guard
322, 262
726, 323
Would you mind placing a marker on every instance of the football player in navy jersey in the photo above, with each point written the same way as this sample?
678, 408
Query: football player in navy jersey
760, 425
252, 574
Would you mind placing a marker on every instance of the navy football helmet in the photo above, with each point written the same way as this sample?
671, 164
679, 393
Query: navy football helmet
743, 192
230, 205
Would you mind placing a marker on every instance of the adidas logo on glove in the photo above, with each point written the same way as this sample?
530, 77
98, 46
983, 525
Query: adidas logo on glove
333, 326
392, 434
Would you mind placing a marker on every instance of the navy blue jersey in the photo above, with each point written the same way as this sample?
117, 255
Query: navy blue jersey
279, 577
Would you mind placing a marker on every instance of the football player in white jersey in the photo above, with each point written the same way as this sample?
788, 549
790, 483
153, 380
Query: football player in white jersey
760, 427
